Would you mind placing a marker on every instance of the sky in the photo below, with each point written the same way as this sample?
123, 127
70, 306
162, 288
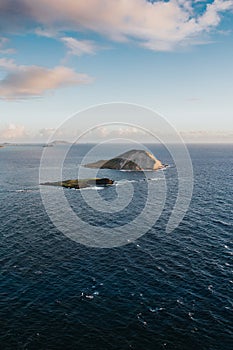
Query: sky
58, 57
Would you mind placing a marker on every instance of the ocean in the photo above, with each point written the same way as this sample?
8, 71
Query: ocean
161, 291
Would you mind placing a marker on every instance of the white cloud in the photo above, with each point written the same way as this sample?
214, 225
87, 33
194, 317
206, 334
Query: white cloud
13, 132
31, 81
46, 132
8, 64
111, 132
79, 47
3, 49
47, 33
161, 25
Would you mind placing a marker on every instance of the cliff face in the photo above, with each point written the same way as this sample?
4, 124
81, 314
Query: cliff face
134, 160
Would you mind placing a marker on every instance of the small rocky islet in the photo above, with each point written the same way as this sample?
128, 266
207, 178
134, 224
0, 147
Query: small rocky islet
81, 183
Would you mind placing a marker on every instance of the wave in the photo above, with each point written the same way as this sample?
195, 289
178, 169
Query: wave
26, 190
89, 188
122, 182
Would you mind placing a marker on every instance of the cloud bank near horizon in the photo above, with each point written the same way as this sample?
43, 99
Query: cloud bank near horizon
14, 133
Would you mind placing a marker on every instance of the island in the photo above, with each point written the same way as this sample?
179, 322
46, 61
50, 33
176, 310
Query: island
134, 160
56, 143
81, 183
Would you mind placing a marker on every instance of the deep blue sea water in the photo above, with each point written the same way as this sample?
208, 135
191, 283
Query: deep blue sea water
163, 291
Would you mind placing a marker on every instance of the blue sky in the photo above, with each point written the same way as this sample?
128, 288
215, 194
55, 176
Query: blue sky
58, 58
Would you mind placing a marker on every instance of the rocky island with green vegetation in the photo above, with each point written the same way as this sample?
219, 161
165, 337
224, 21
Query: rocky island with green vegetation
134, 160
81, 183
